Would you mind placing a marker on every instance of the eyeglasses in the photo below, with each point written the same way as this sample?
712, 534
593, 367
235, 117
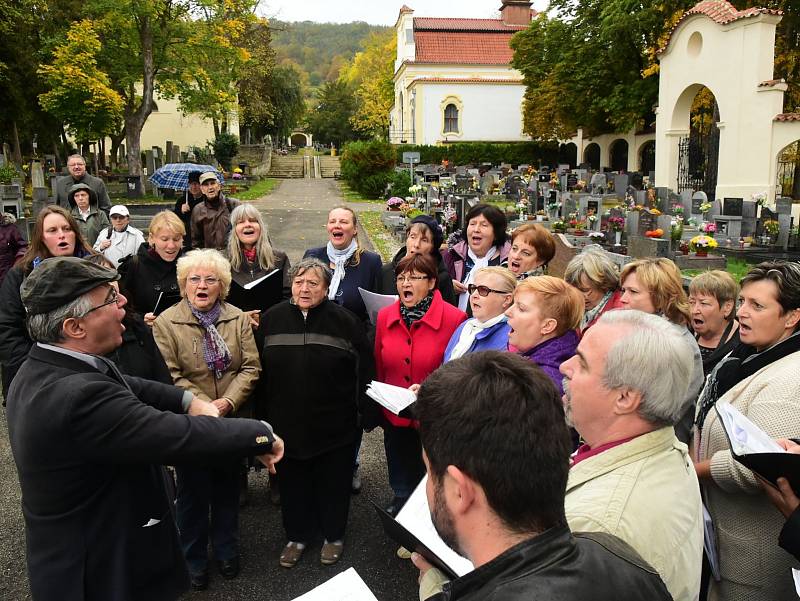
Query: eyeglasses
484, 290
111, 299
196, 279
402, 279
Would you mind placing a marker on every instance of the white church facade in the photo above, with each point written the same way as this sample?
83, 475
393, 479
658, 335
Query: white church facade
453, 80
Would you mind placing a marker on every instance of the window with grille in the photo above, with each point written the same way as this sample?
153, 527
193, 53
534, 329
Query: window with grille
451, 119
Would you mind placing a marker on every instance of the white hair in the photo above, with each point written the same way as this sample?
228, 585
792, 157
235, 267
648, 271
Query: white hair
653, 358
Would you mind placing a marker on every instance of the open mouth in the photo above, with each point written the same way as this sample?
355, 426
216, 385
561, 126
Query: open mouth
202, 295
743, 327
408, 294
63, 245
336, 235
248, 231
698, 322
476, 240
514, 266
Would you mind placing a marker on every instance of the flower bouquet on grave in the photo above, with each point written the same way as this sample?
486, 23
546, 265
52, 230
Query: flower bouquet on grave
709, 228
580, 185
676, 231
559, 227
394, 203
760, 198
772, 227
415, 189
705, 207
677, 210
701, 244
522, 207
616, 223
597, 237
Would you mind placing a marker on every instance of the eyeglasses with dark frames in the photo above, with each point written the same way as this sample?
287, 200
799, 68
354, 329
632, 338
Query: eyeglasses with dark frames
401, 279
111, 299
484, 290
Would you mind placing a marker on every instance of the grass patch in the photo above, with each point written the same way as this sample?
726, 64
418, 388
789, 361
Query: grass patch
736, 267
385, 245
353, 196
260, 188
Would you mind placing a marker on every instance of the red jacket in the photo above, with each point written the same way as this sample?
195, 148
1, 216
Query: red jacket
403, 358
613, 303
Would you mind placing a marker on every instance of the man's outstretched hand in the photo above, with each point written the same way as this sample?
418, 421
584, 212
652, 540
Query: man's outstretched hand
274, 456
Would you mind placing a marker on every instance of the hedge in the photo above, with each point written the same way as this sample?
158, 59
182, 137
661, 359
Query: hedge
368, 166
476, 153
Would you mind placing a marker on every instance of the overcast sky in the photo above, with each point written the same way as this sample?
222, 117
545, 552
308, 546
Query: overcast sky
378, 12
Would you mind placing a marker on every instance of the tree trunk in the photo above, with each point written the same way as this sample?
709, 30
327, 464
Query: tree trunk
116, 141
135, 116
216, 127
17, 150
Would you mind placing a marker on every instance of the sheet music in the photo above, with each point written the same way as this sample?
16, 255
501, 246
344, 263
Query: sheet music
415, 516
346, 586
375, 302
394, 398
255, 283
745, 436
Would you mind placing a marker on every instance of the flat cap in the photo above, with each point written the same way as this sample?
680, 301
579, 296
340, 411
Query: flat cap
58, 281
208, 175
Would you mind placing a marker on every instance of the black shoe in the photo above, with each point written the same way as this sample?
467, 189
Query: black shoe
396, 505
199, 580
229, 568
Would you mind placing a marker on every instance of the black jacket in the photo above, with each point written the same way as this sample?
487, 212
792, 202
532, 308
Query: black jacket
444, 284
139, 355
315, 374
98, 518
558, 565
276, 288
145, 276
789, 538
187, 217
14, 340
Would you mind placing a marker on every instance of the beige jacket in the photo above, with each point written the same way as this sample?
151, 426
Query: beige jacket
746, 524
180, 338
644, 491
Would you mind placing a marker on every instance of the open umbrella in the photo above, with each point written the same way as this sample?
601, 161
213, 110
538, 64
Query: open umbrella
175, 176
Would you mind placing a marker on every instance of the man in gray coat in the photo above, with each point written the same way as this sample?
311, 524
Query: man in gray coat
76, 165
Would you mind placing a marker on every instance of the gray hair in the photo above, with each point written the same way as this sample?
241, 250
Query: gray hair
48, 328
266, 258
314, 264
596, 266
77, 156
655, 359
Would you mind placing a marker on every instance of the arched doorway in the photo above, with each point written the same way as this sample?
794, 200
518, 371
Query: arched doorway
788, 172
568, 155
698, 153
647, 157
299, 140
619, 155
591, 155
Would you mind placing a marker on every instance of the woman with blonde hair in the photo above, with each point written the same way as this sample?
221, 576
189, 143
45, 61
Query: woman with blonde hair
596, 277
149, 279
544, 318
712, 301
655, 286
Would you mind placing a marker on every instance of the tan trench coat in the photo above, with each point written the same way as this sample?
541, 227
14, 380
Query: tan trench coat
180, 338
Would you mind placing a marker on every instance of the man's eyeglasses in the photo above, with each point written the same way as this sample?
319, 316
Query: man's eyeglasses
484, 290
402, 279
209, 281
111, 299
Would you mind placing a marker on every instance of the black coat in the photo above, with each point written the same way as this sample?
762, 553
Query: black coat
98, 518
139, 355
276, 288
145, 276
444, 283
559, 565
187, 217
315, 374
14, 340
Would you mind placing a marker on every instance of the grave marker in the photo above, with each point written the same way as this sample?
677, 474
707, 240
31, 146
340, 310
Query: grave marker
732, 207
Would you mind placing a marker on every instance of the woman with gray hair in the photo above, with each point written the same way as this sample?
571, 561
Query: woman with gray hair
317, 363
596, 277
209, 348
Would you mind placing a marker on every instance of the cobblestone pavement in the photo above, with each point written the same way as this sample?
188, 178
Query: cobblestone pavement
296, 214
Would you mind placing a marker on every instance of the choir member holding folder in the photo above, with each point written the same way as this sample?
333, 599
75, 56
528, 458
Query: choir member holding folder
759, 379
410, 340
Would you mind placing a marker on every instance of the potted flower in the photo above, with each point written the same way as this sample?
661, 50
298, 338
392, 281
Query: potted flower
701, 244
677, 210
617, 224
521, 207
559, 227
760, 198
393, 204
540, 215
597, 237
709, 228
684, 248
747, 242
772, 228
705, 208
415, 189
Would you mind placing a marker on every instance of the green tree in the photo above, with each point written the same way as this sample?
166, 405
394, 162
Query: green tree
329, 121
79, 93
371, 74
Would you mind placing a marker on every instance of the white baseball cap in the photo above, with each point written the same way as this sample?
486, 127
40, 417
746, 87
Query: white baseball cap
119, 210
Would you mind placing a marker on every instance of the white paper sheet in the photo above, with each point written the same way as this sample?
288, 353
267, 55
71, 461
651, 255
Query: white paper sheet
745, 436
254, 283
375, 302
415, 516
346, 586
394, 398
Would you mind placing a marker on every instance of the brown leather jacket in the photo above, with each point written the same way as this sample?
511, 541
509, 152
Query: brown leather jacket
180, 338
211, 222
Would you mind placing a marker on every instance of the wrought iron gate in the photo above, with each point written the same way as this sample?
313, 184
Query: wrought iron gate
789, 172
698, 158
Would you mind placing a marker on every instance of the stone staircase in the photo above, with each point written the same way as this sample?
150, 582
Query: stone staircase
286, 166
329, 166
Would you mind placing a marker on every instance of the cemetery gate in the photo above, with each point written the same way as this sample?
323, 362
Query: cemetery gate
788, 172
698, 158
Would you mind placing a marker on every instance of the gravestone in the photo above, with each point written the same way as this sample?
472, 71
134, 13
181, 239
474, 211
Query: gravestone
37, 175
150, 162
632, 224
564, 254
728, 226
641, 247
581, 174
785, 224
647, 222
698, 198
621, 181
563, 169
572, 181
637, 180
2, 160
783, 205
515, 185
640, 197
570, 205
169, 151
664, 222
749, 210
598, 181
463, 182
732, 207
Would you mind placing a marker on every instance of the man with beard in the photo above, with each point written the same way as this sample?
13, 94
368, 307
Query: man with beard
496, 450
623, 393
89, 444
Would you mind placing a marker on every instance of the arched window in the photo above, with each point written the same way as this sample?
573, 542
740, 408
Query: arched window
451, 119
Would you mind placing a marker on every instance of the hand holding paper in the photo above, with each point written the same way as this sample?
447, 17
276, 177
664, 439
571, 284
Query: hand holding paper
394, 398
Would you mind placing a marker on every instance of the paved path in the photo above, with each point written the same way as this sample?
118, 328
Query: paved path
296, 214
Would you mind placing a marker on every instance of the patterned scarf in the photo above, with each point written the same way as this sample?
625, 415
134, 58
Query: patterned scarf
417, 312
215, 351
589, 315
339, 258
249, 254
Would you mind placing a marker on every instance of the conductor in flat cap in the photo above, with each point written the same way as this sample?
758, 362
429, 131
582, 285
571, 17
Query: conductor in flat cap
89, 444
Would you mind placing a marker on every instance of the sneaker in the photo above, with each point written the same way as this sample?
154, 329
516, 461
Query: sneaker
355, 485
291, 554
331, 553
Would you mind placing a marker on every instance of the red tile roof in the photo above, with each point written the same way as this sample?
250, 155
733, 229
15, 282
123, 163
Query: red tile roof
771, 83
491, 80
446, 24
470, 48
787, 117
721, 12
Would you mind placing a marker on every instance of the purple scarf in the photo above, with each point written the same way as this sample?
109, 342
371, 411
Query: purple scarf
215, 351
549, 354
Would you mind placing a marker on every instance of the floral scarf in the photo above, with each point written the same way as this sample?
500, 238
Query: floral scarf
215, 351
417, 312
590, 315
